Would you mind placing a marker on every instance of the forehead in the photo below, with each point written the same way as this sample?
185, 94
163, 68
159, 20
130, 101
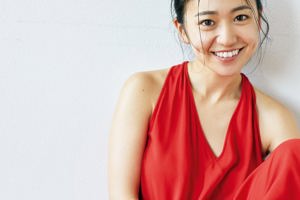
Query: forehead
218, 5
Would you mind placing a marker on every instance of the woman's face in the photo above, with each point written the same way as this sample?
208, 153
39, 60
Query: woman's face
224, 34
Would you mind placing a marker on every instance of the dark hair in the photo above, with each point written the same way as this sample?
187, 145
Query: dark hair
178, 11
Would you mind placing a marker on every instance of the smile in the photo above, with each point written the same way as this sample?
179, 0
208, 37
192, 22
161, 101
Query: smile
227, 54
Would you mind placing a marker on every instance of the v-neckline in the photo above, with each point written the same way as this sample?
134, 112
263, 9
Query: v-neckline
198, 120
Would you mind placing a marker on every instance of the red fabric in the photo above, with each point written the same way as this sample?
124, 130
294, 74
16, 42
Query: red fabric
277, 178
178, 163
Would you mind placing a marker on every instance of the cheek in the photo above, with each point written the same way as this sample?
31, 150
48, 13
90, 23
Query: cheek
202, 42
254, 41
252, 35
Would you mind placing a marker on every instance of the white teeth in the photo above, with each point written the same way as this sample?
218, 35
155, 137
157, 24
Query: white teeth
227, 54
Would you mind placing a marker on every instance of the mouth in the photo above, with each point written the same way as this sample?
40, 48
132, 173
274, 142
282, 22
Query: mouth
227, 55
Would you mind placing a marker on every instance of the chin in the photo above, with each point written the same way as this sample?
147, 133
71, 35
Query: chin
227, 71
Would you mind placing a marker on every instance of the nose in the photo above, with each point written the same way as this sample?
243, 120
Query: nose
226, 35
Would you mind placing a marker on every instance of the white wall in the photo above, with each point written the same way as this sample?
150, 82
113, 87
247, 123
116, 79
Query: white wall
62, 64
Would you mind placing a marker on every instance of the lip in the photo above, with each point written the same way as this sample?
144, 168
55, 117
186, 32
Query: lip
229, 59
228, 50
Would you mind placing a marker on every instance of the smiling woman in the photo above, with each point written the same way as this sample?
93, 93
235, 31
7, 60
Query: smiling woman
225, 35
199, 129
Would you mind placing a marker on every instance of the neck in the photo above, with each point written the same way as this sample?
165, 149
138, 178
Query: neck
211, 86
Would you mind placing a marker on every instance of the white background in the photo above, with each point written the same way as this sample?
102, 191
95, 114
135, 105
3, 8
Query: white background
62, 64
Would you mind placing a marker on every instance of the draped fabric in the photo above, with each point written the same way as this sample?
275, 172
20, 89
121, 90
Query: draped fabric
178, 163
277, 178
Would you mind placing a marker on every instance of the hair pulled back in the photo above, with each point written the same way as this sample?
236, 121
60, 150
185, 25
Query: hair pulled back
178, 11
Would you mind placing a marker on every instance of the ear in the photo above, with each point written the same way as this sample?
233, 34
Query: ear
259, 19
181, 30
259, 23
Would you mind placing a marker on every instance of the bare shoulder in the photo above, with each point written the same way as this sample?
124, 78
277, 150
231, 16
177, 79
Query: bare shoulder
128, 132
147, 78
277, 123
146, 85
136, 100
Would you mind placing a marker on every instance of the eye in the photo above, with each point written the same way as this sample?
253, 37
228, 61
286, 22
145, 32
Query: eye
207, 22
241, 18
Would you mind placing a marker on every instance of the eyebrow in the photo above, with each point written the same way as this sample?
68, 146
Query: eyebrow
210, 12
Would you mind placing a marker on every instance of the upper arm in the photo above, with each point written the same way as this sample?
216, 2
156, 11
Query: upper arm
283, 125
277, 123
128, 136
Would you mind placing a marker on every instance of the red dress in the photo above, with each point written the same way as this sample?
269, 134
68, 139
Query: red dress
178, 163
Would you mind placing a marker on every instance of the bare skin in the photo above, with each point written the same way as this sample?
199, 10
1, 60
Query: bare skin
216, 90
130, 123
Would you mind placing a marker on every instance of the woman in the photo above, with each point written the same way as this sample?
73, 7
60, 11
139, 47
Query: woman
199, 130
